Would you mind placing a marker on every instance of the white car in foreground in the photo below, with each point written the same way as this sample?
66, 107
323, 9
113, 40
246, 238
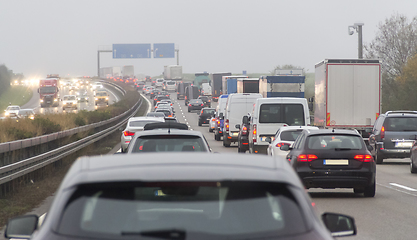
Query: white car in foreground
285, 136
11, 111
69, 101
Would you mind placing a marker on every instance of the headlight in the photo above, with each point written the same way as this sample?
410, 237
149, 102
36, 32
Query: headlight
41, 100
107, 98
96, 99
6, 113
55, 100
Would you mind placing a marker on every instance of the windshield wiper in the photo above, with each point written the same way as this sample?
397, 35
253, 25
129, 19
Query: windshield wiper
165, 234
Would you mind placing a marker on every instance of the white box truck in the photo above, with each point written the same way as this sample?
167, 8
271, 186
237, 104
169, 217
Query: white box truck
173, 72
347, 94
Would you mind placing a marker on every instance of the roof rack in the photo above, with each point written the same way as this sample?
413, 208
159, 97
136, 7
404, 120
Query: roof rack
400, 111
163, 125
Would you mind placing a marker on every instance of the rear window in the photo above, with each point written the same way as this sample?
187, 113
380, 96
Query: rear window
169, 143
69, 98
290, 114
401, 124
101, 94
329, 141
290, 135
201, 210
170, 83
140, 123
208, 111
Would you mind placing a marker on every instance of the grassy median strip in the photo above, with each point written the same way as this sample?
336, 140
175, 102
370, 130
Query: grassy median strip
16, 95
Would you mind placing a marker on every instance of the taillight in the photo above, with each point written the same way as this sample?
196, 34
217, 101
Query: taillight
127, 133
227, 125
382, 132
169, 115
306, 157
201, 111
364, 158
254, 133
155, 99
282, 144
245, 130
202, 104
189, 105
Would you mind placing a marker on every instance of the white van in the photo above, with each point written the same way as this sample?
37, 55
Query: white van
269, 114
237, 106
170, 86
158, 82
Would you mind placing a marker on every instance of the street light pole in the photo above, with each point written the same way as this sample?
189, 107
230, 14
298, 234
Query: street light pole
358, 28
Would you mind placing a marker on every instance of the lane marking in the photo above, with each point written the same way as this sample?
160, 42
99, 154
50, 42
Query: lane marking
403, 187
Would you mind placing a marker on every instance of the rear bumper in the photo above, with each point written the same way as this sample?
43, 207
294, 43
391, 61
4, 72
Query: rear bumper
395, 153
262, 149
337, 179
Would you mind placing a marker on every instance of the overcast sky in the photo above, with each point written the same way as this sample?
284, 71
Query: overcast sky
52, 36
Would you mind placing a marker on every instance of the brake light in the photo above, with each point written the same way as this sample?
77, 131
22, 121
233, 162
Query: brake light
213, 120
245, 130
169, 115
201, 111
227, 125
306, 157
154, 99
254, 133
364, 158
189, 105
282, 144
127, 133
382, 132
202, 104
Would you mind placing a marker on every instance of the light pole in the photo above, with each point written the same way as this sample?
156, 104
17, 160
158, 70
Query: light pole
358, 28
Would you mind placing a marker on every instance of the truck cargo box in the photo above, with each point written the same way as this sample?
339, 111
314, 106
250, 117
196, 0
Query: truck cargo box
347, 93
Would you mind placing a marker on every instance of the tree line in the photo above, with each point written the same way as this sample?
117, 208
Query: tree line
395, 44
5, 78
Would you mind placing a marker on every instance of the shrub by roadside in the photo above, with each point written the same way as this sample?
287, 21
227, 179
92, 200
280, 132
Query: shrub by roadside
11, 130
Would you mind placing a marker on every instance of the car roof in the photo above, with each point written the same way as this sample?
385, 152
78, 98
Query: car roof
286, 128
144, 118
332, 131
171, 131
401, 114
179, 167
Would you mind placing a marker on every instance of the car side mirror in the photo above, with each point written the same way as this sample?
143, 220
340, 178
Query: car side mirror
21, 227
284, 147
237, 126
339, 225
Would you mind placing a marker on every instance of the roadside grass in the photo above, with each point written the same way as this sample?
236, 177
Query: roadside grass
11, 130
16, 95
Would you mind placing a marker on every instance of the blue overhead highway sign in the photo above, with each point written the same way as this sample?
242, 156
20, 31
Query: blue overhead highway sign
132, 50
164, 50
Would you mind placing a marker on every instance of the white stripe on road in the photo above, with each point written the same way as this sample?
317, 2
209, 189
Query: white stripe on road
403, 187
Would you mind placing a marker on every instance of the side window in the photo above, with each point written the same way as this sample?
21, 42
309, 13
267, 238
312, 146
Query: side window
378, 123
298, 141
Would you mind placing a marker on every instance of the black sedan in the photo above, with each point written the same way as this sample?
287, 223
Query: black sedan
195, 104
205, 115
333, 159
181, 196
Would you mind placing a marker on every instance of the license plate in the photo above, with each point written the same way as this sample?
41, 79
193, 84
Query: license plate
263, 139
404, 144
235, 133
336, 162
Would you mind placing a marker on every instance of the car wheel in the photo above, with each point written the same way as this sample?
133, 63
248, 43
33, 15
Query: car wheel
216, 136
189, 110
210, 129
199, 124
226, 143
378, 158
370, 190
240, 150
413, 169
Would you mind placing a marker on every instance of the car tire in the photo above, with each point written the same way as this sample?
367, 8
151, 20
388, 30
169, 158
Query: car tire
210, 129
199, 124
378, 158
370, 190
413, 169
216, 137
189, 110
226, 143
240, 150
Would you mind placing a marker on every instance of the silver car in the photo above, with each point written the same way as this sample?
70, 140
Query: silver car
135, 124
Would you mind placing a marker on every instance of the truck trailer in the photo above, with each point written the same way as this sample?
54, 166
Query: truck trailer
216, 85
282, 86
247, 85
229, 84
173, 72
347, 94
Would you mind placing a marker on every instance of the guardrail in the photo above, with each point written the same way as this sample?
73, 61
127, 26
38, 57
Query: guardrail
22, 167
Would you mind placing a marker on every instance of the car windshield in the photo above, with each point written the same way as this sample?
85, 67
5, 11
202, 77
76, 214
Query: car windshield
69, 97
101, 94
291, 114
169, 143
26, 112
140, 123
196, 101
204, 98
227, 209
170, 83
47, 89
208, 111
330, 141
290, 135
400, 124
12, 108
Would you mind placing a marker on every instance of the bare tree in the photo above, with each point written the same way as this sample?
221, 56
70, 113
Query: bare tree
394, 44
286, 66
